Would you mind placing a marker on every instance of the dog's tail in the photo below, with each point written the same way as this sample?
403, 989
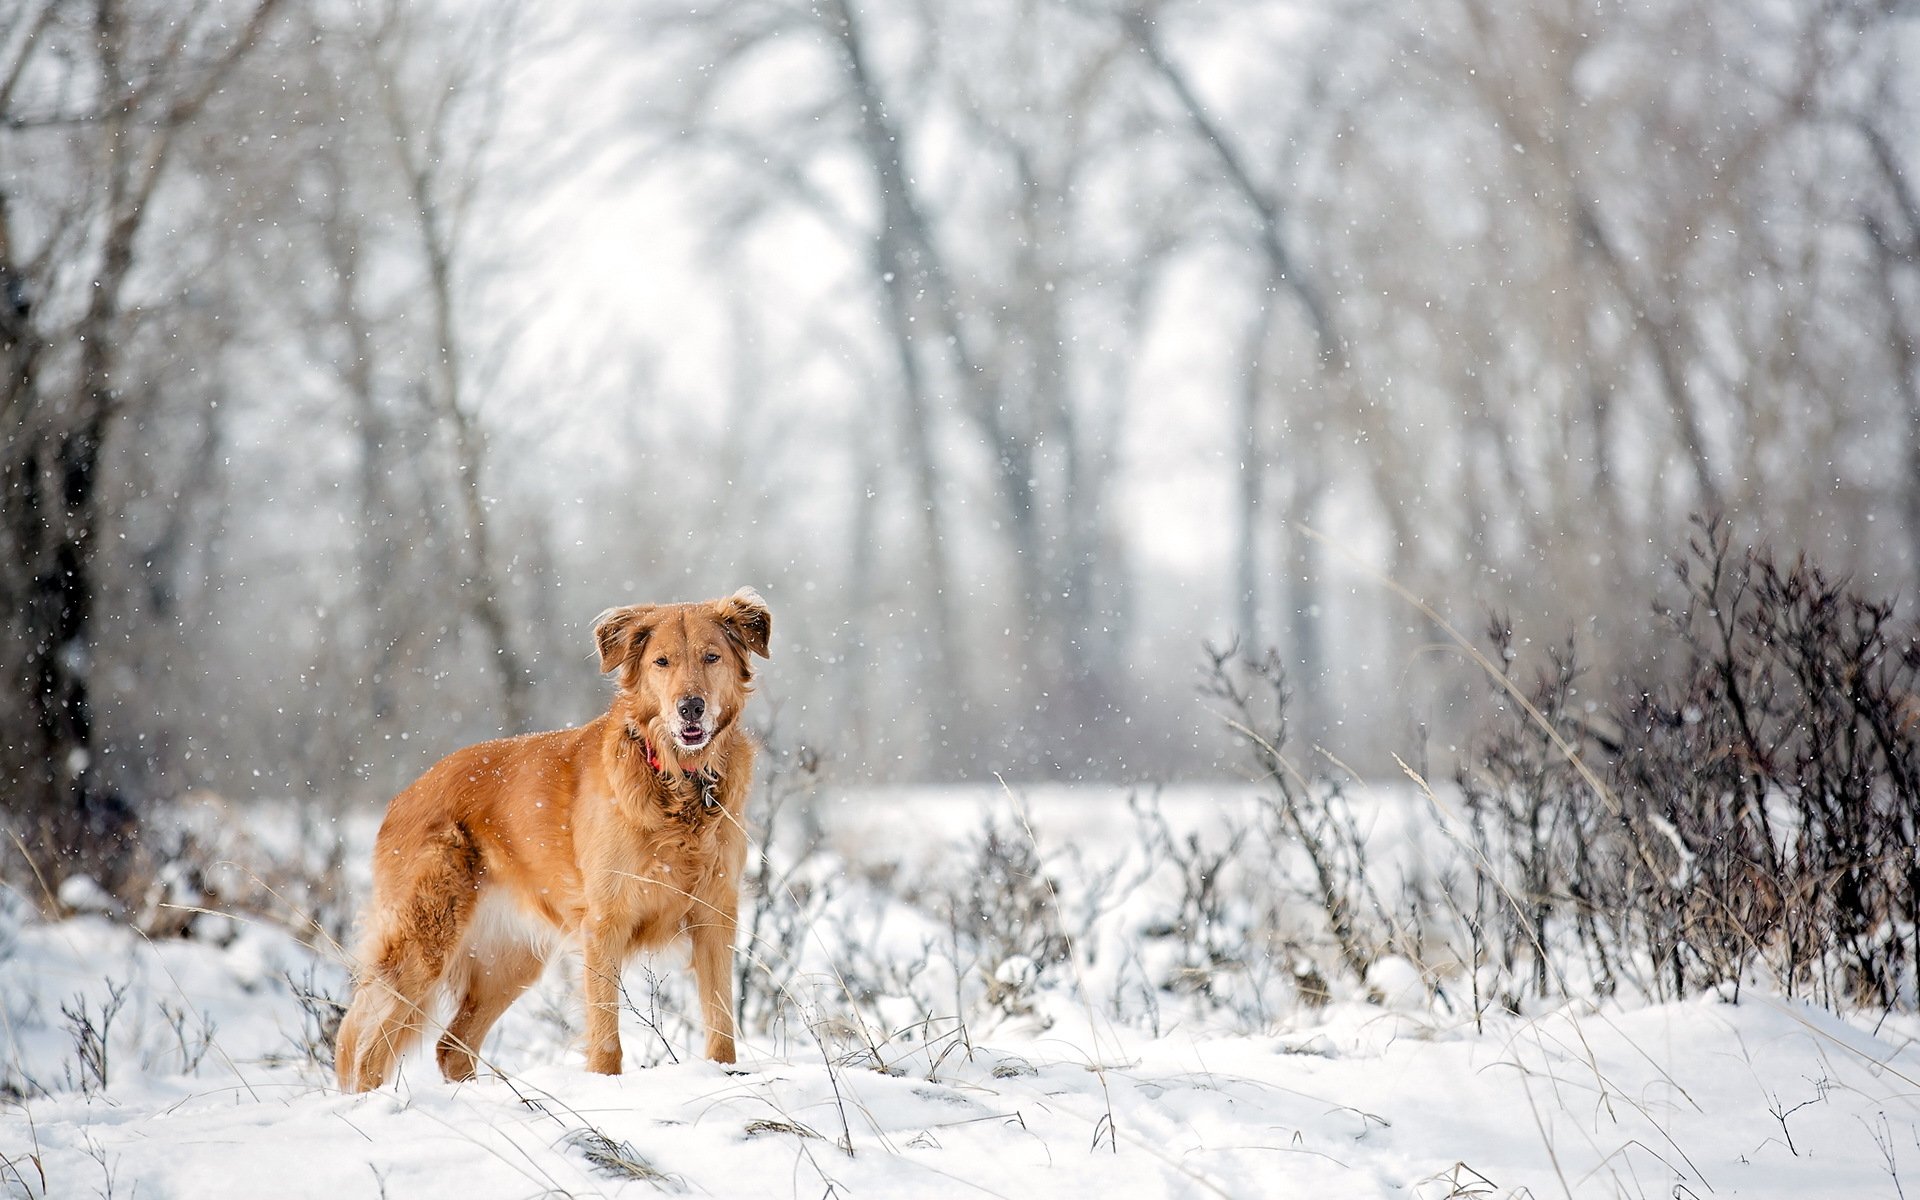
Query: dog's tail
425, 890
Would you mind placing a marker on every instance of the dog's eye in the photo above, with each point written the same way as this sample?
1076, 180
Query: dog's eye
712, 658
661, 661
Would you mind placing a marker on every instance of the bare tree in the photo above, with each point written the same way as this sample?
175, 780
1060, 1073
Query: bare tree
1332, 378
980, 345
1895, 240
440, 105
1001, 321
122, 82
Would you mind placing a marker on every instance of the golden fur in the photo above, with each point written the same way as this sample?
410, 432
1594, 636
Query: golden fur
504, 849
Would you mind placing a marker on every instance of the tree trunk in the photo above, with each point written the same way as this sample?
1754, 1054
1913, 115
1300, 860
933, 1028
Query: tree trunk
84, 825
903, 257
55, 442
484, 585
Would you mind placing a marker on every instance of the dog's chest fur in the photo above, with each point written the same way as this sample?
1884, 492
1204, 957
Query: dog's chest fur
661, 854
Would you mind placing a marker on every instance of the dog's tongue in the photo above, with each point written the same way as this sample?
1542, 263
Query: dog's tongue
693, 735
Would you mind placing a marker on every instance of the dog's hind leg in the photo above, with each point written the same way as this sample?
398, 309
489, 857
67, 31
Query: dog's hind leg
486, 985
421, 923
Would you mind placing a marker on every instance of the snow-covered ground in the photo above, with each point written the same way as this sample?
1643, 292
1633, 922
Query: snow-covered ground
210, 1090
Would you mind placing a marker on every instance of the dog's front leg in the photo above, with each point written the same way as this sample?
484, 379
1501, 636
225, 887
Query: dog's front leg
713, 973
602, 954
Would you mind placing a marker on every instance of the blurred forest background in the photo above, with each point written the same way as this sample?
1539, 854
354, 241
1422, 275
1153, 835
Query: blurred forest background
355, 353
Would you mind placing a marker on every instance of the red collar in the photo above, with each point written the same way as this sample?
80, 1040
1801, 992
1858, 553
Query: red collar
705, 782
653, 759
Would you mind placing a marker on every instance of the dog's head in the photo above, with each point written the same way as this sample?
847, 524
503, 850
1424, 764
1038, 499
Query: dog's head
684, 670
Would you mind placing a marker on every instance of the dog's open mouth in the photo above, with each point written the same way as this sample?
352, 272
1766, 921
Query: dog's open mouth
691, 736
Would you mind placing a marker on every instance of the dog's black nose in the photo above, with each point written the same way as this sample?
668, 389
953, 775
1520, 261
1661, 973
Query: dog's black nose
692, 708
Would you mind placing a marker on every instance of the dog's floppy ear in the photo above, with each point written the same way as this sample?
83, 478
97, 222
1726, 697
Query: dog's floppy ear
745, 617
620, 632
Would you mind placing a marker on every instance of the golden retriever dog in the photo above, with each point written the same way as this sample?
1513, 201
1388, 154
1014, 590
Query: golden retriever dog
616, 837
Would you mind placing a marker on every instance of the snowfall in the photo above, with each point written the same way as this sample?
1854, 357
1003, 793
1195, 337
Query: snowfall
208, 1085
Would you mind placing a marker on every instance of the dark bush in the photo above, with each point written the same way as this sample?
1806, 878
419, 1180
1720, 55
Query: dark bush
1752, 807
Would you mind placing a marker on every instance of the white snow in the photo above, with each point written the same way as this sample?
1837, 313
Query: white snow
209, 1093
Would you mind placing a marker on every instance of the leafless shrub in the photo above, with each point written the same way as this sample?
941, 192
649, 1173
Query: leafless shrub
193, 1034
90, 1030
320, 1014
659, 1048
1005, 917
1531, 835
1754, 809
1302, 817
781, 897
1207, 934
1799, 728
